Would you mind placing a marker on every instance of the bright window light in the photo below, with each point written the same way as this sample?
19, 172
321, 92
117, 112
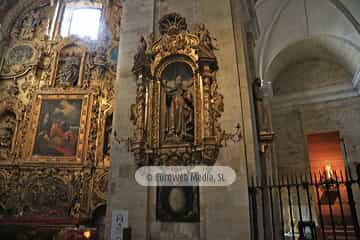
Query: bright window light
85, 22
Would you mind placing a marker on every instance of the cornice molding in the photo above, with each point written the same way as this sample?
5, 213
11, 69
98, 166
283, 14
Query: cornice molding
315, 96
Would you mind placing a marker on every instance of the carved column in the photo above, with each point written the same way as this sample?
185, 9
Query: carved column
138, 116
207, 75
140, 113
153, 113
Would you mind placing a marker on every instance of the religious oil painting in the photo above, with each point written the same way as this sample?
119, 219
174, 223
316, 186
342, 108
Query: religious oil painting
58, 129
177, 204
60, 126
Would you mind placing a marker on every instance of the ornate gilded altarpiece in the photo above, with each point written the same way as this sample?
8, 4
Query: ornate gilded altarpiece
56, 106
177, 104
177, 109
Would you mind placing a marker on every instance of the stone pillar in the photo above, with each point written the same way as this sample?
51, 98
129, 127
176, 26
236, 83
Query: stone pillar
224, 211
124, 193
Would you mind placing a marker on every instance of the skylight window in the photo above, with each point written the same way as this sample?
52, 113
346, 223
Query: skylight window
85, 23
82, 22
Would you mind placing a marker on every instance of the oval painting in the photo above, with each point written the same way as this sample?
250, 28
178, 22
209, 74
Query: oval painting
177, 200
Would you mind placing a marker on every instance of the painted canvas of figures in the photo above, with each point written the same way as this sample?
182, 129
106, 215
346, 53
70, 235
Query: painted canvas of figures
58, 130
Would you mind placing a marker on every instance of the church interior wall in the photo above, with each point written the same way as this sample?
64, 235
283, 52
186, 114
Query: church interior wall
56, 108
66, 107
213, 210
312, 65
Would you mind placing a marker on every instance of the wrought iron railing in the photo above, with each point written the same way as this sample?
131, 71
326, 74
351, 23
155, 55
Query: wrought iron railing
311, 206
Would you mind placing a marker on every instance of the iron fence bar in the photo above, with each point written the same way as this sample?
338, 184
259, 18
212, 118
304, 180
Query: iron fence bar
272, 210
327, 188
281, 211
252, 191
298, 199
254, 212
352, 204
358, 174
319, 206
341, 206
263, 191
326, 192
291, 211
306, 186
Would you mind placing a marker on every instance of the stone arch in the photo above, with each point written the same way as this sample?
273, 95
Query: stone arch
317, 53
323, 46
282, 23
322, 106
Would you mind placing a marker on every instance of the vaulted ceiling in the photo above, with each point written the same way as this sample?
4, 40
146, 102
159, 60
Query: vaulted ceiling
292, 30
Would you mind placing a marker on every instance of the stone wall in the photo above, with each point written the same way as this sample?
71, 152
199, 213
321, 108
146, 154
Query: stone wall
294, 79
293, 122
292, 125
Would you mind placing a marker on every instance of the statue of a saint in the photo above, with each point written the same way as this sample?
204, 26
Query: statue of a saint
68, 73
262, 113
140, 55
205, 38
179, 116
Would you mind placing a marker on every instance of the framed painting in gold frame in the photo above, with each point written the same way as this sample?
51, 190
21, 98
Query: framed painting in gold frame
59, 127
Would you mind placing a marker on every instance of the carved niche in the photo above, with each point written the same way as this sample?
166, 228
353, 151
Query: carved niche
68, 71
177, 104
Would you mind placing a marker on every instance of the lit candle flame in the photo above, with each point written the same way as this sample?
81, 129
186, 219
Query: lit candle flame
329, 172
87, 234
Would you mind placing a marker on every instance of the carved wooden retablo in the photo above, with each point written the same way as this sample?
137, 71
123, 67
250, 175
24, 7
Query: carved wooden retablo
56, 109
177, 104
